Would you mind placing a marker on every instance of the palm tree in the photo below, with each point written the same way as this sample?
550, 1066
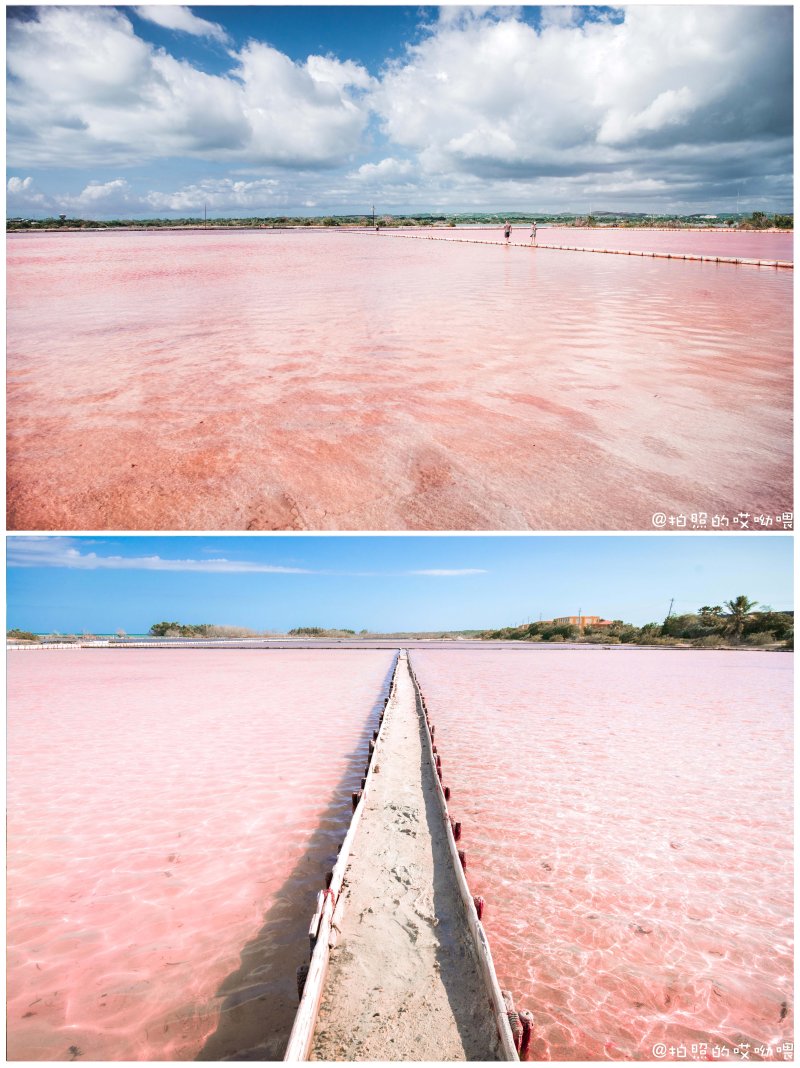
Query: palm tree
739, 609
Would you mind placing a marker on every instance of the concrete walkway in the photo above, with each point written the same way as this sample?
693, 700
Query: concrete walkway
403, 982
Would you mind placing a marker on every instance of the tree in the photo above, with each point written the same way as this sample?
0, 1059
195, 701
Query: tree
22, 635
179, 630
739, 612
779, 623
563, 632
684, 626
649, 631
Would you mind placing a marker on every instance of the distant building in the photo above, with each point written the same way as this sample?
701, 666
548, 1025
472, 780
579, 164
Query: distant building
582, 621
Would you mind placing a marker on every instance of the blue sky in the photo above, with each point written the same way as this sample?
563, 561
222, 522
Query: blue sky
164, 110
381, 583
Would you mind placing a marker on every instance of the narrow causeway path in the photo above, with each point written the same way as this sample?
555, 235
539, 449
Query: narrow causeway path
403, 982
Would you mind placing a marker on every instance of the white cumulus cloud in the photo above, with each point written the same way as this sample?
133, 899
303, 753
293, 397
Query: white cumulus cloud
22, 194
651, 106
387, 170
84, 88
173, 17
494, 97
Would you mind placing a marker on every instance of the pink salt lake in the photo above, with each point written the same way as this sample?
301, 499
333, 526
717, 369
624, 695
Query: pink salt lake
768, 246
627, 815
290, 380
171, 818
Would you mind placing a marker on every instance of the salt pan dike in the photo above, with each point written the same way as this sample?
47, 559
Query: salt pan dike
627, 816
171, 817
401, 969
290, 380
750, 246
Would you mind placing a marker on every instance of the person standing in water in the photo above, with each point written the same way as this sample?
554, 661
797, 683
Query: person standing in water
507, 230
533, 231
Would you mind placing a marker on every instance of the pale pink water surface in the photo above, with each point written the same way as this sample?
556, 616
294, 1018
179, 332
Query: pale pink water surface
627, 814
739, 244
747, 244
171, 818
290, 380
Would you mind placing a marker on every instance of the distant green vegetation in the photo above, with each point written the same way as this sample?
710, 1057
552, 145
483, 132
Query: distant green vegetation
22, 635
179, 630
738, 623
711, 627
758, 220
320, 632
198, 630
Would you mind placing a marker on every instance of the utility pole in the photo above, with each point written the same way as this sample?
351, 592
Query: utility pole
671, 603
205, 215
373, 216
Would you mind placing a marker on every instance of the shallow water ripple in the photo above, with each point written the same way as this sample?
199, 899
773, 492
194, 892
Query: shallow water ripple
171, 818
627, 816
356, 381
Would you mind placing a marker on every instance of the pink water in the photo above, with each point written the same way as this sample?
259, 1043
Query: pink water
290, 380
739, 244
745, 244
627, 815
171, 818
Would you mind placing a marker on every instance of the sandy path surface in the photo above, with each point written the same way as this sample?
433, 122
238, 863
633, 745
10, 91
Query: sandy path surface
403, 982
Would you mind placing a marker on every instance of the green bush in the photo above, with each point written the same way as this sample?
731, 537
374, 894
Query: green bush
760, 637
781, 624
22, 635
564, 632
710, 641
179, 630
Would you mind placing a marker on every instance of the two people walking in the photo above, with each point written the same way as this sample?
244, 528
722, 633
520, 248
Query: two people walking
507, 231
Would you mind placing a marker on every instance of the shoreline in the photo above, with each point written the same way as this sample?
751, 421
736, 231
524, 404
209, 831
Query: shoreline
382, 643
